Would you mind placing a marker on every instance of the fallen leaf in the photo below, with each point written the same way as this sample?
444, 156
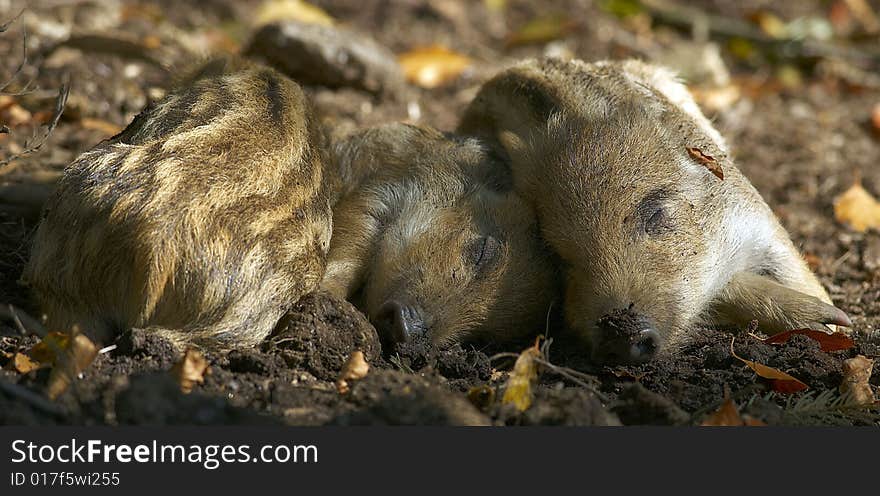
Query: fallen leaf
835, 341
518, 389
857, 208
291, 10
105, 127
706, 161
356, 367
52, 345
540, 30
770, 24
779, 380
856, 374
190, 370
726, 415
433, 66
21, 363
76, 357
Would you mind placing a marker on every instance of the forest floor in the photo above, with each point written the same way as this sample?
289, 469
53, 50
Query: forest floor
799, 124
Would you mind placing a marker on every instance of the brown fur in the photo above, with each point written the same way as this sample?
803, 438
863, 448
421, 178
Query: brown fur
601, 151
409, 226
204, 219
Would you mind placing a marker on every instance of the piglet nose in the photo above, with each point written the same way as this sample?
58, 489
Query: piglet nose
644, 346
396, 322
625, 337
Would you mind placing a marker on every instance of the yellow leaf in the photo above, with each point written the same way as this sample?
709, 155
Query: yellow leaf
291, 10
79, 354
190, 370
433, 66
856, 377
356, 367
518, 391
21, 363
52, 345
857, 208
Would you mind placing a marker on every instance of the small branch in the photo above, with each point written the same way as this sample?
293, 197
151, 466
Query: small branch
24, 54
24, 322
60, 102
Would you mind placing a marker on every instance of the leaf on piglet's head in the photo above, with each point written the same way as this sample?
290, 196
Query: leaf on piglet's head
706, 161
779, 380
835, 341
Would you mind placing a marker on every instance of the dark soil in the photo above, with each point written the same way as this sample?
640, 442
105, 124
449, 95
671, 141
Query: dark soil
801, 145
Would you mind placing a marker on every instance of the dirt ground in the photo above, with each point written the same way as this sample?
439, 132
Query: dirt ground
799, 126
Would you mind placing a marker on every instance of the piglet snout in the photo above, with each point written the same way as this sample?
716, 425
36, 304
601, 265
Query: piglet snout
397, 322
625, 337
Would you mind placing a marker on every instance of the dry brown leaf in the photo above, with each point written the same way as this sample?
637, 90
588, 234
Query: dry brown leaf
190, 370
21, 363
291, 10
75, 358
726, 415
518, 389
857, 208
856, 377
433, 66
779, 380
105, 127
706, 161
835, 341
356, 367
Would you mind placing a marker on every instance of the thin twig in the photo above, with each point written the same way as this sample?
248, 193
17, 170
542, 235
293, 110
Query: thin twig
60, 102
24, 322
24, 56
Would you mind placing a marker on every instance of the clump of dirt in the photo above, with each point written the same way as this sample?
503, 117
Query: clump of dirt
320, 332
558, 405
396, 398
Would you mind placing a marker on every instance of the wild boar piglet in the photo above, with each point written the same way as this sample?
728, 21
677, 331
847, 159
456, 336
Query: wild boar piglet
637, 194
430, 241
203, 220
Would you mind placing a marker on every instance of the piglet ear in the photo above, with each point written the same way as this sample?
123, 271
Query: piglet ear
777, 308
517, 101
